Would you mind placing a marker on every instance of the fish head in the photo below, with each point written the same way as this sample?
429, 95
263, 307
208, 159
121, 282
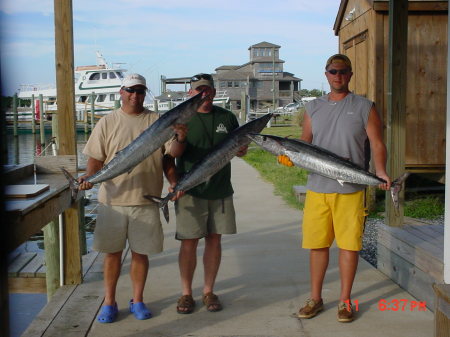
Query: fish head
267, 142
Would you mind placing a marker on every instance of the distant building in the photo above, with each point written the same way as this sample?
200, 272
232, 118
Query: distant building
262, 79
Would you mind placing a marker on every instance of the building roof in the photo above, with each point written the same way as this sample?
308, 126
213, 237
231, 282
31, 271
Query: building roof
235, 75
264, 44
266, 59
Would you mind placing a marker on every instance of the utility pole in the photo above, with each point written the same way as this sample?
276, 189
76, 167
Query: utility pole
273, 78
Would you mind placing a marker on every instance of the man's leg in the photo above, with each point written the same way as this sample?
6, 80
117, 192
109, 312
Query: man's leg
348, 263
187, 262
111, 273
211, 260
318, 264
138, 274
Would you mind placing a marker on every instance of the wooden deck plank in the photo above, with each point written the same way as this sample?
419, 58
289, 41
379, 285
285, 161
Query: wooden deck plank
413, 250
31, 285
427, 235
30, 270
413, 240
407, 275
19, 263
46, 316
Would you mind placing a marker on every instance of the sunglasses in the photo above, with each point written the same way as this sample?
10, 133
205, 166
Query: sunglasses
198, 77
138, 91
340, 71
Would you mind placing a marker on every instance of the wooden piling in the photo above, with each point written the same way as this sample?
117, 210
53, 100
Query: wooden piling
42, 122
15, 114
66, 131
33, 115
51, 244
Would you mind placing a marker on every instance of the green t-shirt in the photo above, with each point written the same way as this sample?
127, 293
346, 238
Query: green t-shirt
205, 130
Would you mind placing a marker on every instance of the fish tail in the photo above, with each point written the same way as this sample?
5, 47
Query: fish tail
162, 203
73, 183
396, 187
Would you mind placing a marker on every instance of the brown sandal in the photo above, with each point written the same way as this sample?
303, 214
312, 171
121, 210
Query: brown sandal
185, 304
212, 302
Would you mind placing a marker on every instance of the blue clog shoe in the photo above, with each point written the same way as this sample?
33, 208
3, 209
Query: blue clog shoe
139, 310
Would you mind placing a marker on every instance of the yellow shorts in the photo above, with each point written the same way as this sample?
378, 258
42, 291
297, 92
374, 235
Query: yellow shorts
332, 215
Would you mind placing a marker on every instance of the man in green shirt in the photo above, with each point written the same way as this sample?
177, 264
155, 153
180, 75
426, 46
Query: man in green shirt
207, 210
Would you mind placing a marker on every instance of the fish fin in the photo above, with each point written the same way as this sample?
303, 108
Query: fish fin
341, 182
73, 183
165, 211
162, 203
396, 187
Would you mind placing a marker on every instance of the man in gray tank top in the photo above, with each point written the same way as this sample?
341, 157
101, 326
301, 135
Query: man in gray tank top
343, 123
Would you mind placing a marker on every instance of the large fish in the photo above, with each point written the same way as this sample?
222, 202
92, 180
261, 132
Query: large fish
219, 156
321, 161
145, 144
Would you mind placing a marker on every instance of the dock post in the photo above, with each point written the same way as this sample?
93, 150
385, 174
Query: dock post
51, 244
33, 115
92, 110
86, 120
67, 133
42, 121
15, 114
155, 105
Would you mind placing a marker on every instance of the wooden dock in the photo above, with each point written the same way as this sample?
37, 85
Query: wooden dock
412, 256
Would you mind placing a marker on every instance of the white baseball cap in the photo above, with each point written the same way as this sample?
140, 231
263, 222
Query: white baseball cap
134, 79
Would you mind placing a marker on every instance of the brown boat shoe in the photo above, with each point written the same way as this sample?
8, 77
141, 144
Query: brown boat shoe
345, 312
311, 309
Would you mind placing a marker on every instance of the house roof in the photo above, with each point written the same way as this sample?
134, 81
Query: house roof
267, 59
265, 45
235, 75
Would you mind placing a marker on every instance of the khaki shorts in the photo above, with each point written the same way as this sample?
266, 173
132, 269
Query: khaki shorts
141, 225
196, 217
332, 215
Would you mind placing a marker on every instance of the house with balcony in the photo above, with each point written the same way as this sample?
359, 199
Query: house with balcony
262, 79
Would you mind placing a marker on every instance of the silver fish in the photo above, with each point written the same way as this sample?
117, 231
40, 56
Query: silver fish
145, 144
219, 156
321, 161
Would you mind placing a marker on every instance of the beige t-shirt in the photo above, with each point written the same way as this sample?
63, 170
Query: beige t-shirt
112, 133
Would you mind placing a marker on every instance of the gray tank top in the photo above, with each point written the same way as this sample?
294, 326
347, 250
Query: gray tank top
340, 127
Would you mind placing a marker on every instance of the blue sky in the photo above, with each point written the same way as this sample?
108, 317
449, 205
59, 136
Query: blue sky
167, 37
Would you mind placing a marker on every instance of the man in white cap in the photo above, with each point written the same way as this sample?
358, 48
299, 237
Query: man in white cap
123, 213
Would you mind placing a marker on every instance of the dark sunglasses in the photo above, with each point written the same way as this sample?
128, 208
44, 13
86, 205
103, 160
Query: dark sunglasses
198, 77
340, 71
138, 91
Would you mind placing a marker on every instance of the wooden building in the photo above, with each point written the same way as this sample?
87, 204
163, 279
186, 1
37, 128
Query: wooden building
363, 30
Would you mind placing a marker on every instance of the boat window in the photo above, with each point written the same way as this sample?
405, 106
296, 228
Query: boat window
94, 77
112, 75
101, 98
82, 99
119, 73
104, 76
112, 97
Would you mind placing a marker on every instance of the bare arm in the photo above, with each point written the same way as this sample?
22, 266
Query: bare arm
178, 145
93, 165
379, 153
171, 174
307, 135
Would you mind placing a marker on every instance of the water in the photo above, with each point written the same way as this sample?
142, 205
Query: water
23, 148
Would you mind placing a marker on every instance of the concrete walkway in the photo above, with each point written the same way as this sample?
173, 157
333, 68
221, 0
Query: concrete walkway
262, 282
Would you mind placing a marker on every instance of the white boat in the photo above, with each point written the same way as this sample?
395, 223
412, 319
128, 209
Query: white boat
102, 80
